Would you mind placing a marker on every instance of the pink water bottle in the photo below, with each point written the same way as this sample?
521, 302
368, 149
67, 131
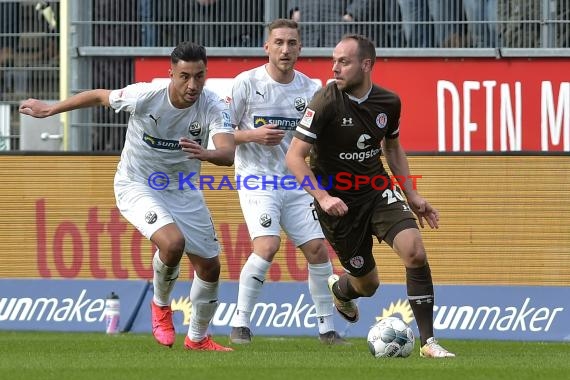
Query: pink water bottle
112, 313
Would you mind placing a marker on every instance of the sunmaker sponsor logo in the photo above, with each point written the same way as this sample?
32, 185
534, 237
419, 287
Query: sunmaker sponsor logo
300, 313
158, 143
521, 318
77, 309
284, 123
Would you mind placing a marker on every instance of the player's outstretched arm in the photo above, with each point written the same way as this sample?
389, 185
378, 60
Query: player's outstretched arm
223, 155
267, 134
90, 98
398, 162
295, 159
297, 164
225, 150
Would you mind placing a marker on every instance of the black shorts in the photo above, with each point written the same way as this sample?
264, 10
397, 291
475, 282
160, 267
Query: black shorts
351, 235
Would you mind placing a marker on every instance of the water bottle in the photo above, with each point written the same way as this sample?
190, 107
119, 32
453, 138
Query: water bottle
112, 313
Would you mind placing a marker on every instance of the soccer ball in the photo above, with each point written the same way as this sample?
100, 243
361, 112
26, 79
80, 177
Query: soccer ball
391, 337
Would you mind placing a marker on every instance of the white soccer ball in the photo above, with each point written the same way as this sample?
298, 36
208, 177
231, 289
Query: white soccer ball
391, 337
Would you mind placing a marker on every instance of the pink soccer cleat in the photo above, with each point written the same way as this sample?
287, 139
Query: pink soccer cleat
206, 344
162, 327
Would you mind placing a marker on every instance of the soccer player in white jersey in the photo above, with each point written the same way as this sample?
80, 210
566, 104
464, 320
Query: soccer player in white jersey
266, 105
166, 136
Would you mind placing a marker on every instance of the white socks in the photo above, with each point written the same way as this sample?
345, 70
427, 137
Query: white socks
163, 280
204, 298
322, 298
251, 280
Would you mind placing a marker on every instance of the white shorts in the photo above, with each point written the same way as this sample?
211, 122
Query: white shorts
149, 210
267, 211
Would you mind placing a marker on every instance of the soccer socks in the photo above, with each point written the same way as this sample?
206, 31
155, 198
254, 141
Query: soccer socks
421, 299
204, 298
322, 298
163, 280
251, 281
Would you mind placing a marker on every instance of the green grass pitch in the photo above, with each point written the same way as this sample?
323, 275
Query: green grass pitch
85, 356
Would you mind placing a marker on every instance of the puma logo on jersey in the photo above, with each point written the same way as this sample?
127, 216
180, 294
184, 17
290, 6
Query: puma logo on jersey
155, 119
260, 94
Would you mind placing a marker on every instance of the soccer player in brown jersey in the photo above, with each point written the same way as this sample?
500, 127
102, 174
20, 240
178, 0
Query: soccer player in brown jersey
346, 127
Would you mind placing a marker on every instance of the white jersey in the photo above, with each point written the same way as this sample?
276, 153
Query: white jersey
258, 100
155, 126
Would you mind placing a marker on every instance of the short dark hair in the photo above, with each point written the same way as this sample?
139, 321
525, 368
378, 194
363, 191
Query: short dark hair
282, 23
366, 48
188, 52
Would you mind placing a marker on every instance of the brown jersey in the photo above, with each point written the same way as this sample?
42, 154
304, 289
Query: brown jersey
346, 133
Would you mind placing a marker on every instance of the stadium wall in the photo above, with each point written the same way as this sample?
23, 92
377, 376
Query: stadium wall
504, 221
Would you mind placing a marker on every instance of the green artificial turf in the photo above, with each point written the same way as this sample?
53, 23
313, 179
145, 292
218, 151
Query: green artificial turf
84, 356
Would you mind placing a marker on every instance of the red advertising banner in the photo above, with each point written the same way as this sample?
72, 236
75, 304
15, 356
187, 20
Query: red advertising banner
449, 104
